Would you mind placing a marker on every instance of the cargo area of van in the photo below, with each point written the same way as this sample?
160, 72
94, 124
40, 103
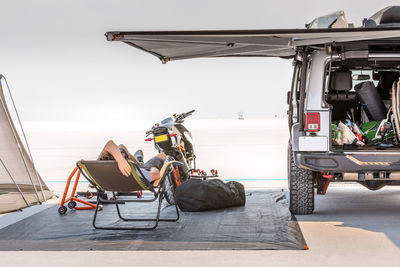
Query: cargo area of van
364, 97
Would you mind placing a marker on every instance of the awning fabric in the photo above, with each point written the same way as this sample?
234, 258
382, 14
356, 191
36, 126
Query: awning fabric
174, 45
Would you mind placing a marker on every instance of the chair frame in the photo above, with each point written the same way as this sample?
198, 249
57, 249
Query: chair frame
158, 191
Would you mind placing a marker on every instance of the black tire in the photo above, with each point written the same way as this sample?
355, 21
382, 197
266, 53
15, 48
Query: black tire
169, 190
62, 210
71, 204
301, 187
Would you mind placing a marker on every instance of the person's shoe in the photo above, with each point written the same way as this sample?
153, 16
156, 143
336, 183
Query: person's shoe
139, 155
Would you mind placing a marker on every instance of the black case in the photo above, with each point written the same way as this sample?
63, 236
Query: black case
371, 101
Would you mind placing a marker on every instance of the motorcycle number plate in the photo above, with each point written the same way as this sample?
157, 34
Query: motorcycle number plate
161, 138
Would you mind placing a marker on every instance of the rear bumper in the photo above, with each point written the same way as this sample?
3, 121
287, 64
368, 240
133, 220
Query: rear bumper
348, 162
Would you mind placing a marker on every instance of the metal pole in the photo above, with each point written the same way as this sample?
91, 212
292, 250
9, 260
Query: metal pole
26, 141
19, 189
19, 147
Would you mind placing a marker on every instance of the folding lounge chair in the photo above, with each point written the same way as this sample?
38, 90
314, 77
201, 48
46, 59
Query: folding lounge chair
105, 176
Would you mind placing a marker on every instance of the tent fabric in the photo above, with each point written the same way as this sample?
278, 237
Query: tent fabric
175, 45
16, 166
212, 194
12, 201
265, 222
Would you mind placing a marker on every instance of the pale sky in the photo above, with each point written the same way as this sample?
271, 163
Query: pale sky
60, 66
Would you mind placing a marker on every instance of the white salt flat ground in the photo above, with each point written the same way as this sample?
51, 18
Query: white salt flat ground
352, 226
252, 151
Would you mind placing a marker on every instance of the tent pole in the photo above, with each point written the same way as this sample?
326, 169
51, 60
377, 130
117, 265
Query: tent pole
26, 141
18, 144
19, 189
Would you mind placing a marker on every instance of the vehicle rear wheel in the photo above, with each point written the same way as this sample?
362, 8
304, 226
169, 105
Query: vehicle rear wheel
301, 187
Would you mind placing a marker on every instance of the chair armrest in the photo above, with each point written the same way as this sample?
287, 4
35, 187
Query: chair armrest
164, 169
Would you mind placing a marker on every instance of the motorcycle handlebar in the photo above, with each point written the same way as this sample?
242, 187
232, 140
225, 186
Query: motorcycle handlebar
178, 118
189, 113
184, 115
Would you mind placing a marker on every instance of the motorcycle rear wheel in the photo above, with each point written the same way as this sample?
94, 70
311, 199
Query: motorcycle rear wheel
169, 190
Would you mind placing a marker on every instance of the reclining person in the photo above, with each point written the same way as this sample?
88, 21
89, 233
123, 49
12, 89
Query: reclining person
150, 169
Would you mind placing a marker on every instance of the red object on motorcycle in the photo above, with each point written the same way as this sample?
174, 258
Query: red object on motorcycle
177, 176
216, 172
173, 134
148, 139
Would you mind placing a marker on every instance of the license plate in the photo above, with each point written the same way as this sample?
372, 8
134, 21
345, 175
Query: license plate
161, 138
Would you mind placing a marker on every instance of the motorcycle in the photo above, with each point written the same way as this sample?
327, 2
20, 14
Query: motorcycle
173, 139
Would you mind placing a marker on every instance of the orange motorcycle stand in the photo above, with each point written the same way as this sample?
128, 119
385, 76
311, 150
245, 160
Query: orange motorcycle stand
72, 199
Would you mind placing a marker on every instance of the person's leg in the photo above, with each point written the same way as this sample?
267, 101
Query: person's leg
155, 173
154, 165
139, 155
157, 161
162, 156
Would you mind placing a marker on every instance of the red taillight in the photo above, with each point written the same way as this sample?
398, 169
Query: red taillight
148, 139
312, 122
173, 134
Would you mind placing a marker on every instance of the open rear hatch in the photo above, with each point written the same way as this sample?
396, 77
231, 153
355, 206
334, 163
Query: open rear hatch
364, 96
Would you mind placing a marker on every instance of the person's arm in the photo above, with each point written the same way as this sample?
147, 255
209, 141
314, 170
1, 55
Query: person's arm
113, 149
130, 156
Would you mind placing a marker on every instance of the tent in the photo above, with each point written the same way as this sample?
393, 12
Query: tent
20, 184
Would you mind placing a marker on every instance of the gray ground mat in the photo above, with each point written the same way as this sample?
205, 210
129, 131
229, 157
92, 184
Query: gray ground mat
265, 222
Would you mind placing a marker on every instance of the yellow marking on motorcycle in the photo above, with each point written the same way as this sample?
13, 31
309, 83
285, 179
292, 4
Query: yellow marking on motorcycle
161, 138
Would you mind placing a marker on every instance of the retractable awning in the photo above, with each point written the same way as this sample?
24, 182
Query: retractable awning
174, 45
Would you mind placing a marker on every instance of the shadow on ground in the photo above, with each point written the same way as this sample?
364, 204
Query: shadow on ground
358, 207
